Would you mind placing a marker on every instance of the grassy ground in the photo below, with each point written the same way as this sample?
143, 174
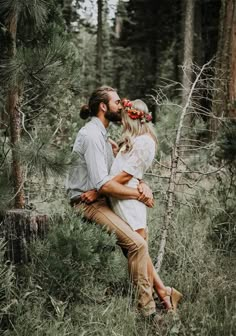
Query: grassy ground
77, 282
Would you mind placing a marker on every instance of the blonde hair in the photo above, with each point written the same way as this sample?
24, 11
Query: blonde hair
134, 127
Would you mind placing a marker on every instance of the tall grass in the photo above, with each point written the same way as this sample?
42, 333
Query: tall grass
77, 282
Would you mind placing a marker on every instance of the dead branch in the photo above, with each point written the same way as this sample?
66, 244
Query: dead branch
174, 164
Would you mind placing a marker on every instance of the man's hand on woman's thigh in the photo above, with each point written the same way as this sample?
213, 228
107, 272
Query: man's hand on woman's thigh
89, 196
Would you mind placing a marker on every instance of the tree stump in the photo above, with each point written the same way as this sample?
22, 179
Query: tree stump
19, 227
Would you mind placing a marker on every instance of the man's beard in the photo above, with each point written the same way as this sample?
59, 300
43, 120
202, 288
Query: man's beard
113, 116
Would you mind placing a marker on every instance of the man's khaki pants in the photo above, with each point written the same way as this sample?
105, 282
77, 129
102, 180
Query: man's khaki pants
129, 240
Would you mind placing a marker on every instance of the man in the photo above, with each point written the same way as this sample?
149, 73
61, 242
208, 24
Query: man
89, 182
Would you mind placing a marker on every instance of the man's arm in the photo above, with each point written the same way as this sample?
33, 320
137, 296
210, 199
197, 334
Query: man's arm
111, 188
98, 174
115, 188
143, 188
124, 178
144, 192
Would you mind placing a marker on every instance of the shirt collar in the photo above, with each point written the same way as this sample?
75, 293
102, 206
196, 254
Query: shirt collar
100, 125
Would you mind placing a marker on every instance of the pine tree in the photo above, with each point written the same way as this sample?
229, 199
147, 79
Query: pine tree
11, 12
38, 73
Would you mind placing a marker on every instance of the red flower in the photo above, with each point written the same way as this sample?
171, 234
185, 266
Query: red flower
148, 117
135, 114
126, 103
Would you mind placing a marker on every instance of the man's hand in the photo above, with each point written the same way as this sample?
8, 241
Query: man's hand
149, 202
89, 196
115, 147
144, 189
146, 195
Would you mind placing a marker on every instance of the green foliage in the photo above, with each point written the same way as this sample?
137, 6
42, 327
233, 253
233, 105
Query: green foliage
166, 125
74, 253
43, 158
198, 270
6, 190
5, 178
75, 266
223, 230
77, 283
45, 71
226, 150
7, 286
33, 12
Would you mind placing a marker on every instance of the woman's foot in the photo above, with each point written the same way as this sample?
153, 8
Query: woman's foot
171, 298
166, 299
176, 296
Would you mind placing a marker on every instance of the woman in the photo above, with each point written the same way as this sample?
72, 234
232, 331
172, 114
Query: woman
137, 151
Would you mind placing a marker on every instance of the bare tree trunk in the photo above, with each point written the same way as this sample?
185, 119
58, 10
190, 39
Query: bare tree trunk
188, 49
173, 169
15, 120
99, 55
118, 27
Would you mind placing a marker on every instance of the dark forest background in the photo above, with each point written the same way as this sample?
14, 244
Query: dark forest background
60, 275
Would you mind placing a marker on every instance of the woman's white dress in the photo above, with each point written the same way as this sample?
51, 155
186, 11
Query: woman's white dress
136, 162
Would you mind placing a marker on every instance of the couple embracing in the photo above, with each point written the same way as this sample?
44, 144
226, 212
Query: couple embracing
106, 185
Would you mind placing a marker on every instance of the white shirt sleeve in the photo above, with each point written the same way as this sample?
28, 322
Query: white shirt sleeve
140, 158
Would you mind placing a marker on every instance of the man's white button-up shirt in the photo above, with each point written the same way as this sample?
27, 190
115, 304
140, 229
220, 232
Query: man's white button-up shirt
93, 161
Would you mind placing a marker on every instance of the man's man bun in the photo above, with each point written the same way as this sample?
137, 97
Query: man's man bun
100, 95
84, 112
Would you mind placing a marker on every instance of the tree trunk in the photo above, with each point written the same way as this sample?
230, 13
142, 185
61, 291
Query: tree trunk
19, 227
15, 119
118, 27
15, 129
232, 65
188, 49
199, 52
118, 32
67, 13
225, 73
99, 55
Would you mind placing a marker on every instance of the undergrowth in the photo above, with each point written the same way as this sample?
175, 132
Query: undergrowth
77, 282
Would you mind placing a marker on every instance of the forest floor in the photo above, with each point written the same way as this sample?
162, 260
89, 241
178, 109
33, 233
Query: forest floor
77, 281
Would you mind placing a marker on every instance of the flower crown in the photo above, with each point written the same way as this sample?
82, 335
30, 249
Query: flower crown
135, 114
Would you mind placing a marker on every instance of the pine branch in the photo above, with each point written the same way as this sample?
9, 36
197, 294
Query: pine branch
4, 158
27, 10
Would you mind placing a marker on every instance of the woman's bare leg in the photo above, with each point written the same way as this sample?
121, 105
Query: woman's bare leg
162, 291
